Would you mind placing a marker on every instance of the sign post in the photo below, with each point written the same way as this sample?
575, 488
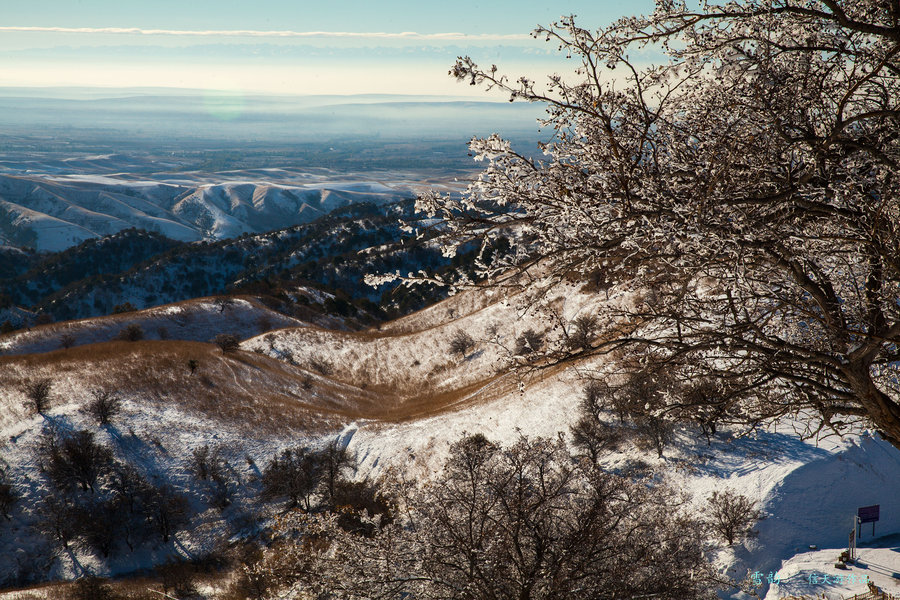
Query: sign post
868, 514
852, 546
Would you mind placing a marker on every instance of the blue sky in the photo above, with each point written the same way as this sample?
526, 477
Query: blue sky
279, 46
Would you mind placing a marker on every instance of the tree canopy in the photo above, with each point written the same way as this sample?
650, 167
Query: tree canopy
749, 179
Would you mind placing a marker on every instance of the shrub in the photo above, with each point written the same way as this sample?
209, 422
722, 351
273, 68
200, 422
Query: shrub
67, 340
131, 333
732, 516
192, 365
461, 343
91, 588
123, 308
294, 475
322, 366
228, 342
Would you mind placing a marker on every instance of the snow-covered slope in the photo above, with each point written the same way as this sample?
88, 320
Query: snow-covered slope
194, 320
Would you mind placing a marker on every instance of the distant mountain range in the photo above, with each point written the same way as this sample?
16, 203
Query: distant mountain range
54, 212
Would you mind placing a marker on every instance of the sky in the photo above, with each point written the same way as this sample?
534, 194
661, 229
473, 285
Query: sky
290, 47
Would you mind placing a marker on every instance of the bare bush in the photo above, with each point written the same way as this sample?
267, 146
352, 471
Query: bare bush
228, 342
131, 333
67, 340
8, 494
104, 407
321, 366
732, 516
581, 332
525, 521
529, 342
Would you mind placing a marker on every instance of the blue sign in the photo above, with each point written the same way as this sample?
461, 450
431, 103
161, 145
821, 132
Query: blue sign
868, 514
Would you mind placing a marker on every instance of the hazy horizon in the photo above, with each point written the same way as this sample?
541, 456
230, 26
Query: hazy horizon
279, 47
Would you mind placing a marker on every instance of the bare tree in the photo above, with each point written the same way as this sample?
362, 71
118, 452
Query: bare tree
749, 181
228, 342
38, 394
581, 332
75, 459
56, 520
167, 510
209, 465
522, 522
461, 342
67, 340
334, 459
732, 515
655, 431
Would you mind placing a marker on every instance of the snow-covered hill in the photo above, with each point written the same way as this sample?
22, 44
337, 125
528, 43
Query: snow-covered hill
54, 212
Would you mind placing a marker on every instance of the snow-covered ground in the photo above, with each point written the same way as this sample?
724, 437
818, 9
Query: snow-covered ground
814, 573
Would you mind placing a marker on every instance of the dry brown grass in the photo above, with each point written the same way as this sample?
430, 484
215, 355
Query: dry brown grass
242, 388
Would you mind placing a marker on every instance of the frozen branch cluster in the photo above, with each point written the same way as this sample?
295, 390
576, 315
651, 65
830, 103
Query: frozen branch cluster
750, 184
